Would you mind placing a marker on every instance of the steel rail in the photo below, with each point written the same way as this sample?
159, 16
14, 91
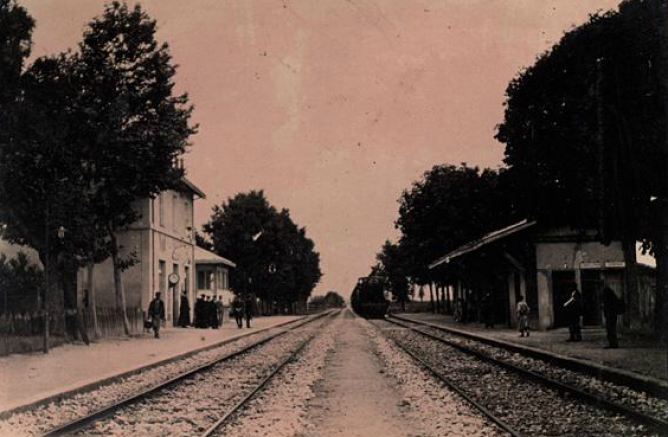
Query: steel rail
80, 423
598, 401
454, 387
219, 423
650, 385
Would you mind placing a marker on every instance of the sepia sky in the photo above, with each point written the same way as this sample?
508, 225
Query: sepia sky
333, 107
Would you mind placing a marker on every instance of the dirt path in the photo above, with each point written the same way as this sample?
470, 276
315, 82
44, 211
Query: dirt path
356, 398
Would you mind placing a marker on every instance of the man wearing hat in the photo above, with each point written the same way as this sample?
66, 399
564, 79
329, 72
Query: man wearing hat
156, 312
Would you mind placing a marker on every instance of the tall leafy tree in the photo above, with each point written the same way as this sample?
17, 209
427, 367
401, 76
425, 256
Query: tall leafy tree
585, 131
450, 206
393, 260
275, 260
42, 181
16, 27
136, 127
237, 229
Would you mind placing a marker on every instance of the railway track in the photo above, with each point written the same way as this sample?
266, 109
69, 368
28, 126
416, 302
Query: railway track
228, 382
521, 401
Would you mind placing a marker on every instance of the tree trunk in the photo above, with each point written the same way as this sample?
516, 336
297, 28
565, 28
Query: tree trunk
631, 285
431, 297
92, 301
661, 249
118, 283
661, 254
51, 290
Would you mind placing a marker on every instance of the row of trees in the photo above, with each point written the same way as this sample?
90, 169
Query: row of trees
276, 261
586, 145
450, 206
83, 134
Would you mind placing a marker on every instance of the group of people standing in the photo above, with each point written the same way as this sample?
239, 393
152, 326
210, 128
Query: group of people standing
209, 312
611, 305
242, 310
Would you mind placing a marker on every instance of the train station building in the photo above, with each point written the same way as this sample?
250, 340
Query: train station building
162, 242
542, 264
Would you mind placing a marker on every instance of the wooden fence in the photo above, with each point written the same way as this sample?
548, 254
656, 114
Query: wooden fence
110, 322
22, 331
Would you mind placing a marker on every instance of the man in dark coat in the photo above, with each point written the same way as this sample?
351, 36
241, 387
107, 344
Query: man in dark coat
248, 311
213, 313
238, 310
574, 308
487, 311
206, 309
156, 312
612, 306
184, 311
199, 312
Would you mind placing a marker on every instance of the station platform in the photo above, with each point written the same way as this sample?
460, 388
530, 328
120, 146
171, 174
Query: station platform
637, 355
28, 379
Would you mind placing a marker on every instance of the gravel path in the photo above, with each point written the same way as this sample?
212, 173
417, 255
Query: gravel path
356, 399
525, 405
369, 387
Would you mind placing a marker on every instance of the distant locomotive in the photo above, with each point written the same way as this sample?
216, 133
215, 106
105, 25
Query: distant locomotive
368, 298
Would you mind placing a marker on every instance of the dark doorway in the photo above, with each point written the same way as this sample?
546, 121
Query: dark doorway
562, 283
591, 288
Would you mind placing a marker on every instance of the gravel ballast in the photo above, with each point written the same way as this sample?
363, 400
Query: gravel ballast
45, 417
191, 406
620, 394
526, 406
438, 410
281, 409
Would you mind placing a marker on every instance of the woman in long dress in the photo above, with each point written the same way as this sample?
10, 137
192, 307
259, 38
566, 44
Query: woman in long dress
184, 311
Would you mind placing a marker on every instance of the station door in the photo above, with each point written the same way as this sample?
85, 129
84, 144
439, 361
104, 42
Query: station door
591, 289
562, 282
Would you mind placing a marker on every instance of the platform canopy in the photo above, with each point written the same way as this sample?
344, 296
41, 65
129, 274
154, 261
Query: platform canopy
203, 256
482, 241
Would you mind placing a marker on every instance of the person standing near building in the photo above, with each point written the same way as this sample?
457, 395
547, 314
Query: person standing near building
248, 310
612, 307
156, 312
221, 310
238, 310
213, 313
184, 311
199, 317
487, 310
523, 316
574, 308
